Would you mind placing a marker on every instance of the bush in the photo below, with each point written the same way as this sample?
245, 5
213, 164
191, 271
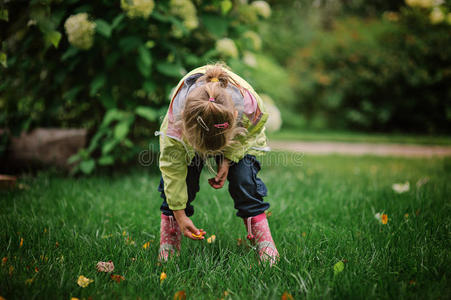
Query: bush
109, 66
389, 74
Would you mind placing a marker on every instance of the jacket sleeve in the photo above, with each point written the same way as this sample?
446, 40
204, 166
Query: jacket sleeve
173, 168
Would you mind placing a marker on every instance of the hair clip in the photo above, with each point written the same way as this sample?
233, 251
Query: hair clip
211, 99
202, 123
214, 79
222, 125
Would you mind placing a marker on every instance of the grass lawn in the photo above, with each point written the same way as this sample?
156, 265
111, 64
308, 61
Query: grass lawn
322, 213
357, 137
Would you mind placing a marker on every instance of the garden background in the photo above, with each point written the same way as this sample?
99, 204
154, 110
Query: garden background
333, 70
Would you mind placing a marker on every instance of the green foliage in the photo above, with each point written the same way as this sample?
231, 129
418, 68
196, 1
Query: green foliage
376, 74
107, 66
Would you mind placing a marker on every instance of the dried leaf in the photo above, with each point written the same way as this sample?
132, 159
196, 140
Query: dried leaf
21, 243
84, 281
286, 296
11, 270
180, 295
339, 267
211, 239
105, 266
384, 219
146, 245
29, 281
117, 278
163, 276
401, 187
239, 241
4, 260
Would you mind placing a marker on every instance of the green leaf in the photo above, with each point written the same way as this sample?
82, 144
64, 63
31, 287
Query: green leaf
71, 51
3, 59
4, 14
72, 93
226, 6
339, 267
74, 158
144, 61
147, 113
108, 146
121, 130
96, 84
106, 160
216, 25
87, 166
103, 28
173, 70
112, 115
53, 37
149, 86
117, 21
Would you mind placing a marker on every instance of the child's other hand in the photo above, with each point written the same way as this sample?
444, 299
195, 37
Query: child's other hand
187, 227
221, 176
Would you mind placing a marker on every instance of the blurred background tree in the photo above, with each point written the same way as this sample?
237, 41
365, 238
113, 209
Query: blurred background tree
109, 66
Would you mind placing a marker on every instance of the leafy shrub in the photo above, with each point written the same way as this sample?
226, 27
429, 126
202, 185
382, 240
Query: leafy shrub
382, 74
109, 66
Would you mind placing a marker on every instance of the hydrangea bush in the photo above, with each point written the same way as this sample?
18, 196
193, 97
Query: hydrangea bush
109, 66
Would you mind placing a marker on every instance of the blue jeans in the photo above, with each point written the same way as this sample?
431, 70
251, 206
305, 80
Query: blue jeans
246, 189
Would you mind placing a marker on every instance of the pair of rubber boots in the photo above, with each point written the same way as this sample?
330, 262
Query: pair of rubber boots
257, 228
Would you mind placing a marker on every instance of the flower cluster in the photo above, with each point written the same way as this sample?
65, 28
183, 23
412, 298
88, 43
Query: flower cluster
227, 47
437, 11
80, 31
262, 8
138, 8
186, 10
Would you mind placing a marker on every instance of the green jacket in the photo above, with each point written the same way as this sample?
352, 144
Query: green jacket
176, 153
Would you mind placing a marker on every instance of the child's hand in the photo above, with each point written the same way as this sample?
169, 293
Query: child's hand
223, 170
187, 227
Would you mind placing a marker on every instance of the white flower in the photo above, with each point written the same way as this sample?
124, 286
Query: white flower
401, 187
262, 8
138, 8
254, 38
436, 16
227, 47
249, 59
80, 31
185, 10
421, 3
274, 121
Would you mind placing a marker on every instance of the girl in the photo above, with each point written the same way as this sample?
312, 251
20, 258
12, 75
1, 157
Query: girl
213, 113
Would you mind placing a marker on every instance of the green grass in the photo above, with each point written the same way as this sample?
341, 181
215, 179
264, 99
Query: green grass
360, 137
322, 213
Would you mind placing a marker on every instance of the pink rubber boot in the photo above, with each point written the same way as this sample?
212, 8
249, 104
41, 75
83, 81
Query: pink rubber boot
170, 237
259, 233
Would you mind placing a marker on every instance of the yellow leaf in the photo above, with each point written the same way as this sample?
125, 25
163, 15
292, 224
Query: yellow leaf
21, 243
384, 219
286, 296
29, 281
163, 276
146, 245
117, 278
11, 270
84, 281
211, 239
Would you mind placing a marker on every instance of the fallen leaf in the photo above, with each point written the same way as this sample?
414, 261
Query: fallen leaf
4, 260
211, 239
36, 269
21, 243
180, 295
146, 245
401, 187
129, 241
117, 278
74, 298
163, 276
11, 270
339, 267
124, 233
286, 296
406, 215
29, 281
83, 281
57, 244
105, 266
239, 241
268, 213
384, 219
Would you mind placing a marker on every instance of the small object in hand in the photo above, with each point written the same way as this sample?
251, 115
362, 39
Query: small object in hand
197, 235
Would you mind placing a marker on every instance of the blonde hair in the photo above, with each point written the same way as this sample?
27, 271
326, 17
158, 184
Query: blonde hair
209, 118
